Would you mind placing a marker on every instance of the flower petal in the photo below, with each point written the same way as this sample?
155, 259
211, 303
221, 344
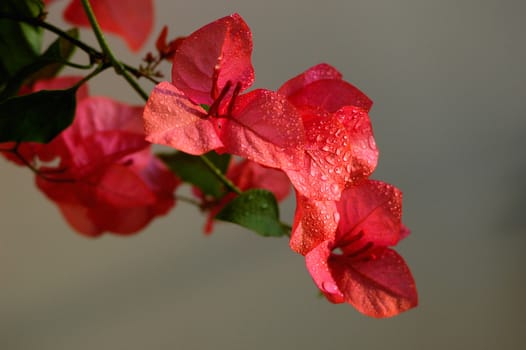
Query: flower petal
265, 128
379, 287
363, 145
122, 199
248, 174
317, 265
322, 87
314, 222
172, 119
320, 71
327, 164
330, 95
374, 208
211, 56
132, 19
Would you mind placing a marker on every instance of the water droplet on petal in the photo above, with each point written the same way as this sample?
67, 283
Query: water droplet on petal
372, 142
330, 160
330, 287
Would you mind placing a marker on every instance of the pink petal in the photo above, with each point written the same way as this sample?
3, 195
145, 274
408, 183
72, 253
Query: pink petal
374, 208
78, 217
102, 114
248, 174
132, 19
173, 120
363, 145
314, 222
223, 49
123, 199
318, 267
157, 176
265, 128
330, 95
322, 71
102, 132
122, 187
327, 164
382, 286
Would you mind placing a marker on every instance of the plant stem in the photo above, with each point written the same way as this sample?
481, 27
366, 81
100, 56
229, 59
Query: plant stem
31, 167
229, 184
138, 73
99, 69
119, 68
187, 200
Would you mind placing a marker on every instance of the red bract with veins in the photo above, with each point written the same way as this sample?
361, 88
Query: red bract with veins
354, 264
107, 179
246, 175
132, 20
99, 171
322, 86
203, 108
339, 147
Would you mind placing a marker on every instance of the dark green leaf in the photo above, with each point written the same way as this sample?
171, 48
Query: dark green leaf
256, 210
55, 56
191, 169
19, 42
45, 66
37, 117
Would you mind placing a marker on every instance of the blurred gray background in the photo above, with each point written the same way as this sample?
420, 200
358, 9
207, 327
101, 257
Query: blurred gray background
448, 81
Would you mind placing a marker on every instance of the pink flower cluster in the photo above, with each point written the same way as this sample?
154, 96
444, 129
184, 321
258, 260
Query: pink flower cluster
317, 131
99, 171
314, 132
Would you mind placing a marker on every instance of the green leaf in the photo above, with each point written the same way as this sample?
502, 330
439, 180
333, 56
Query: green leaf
191, 169
37, 117
45, 66
20, 43
55, 56
256, 210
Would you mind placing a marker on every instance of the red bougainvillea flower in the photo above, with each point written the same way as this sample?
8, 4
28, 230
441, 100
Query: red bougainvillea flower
339, 145
132, 20
106, 179
246, 175
99, 171
203, 110
354, 264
